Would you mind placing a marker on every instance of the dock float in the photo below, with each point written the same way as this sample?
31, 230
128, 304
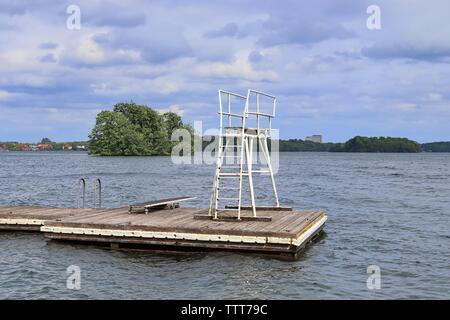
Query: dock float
178, 229
32, 218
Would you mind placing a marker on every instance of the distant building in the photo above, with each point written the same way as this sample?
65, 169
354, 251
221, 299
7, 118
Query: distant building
27, 147
81, 147
44, 146
314, 138
67, 147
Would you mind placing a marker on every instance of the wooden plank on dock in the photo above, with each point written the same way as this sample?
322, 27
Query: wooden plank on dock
182, 220
287, 232
31, 218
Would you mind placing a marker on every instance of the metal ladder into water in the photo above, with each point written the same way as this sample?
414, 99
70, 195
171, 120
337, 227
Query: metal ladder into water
96, 193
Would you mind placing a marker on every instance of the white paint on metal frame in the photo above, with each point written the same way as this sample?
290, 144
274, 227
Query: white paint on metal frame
245, 149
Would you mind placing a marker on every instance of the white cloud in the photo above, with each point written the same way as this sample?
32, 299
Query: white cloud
435, 96
406, 107
58, 117
238, 69
166, 85
173, 108
88, 51
4, 95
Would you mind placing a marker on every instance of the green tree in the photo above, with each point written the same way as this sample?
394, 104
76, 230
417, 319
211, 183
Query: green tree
172, 121
132, 129
114, 134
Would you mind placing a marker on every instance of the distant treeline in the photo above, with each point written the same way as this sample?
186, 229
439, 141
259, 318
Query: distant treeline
44, 145
298, 145
436, 147
364, 144
360, 144
356, 144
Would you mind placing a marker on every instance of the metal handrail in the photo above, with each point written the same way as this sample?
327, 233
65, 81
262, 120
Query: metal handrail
232, 114
81, 182
262, 93
227, 112
232, 94
97, 191
261, 114
257, 95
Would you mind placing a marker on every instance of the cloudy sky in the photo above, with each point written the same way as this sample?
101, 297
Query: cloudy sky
331, 74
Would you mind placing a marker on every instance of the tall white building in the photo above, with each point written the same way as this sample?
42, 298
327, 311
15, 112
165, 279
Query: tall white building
314, 138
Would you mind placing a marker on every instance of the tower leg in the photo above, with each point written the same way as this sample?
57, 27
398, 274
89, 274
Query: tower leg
241, 165
249, 157
265, 150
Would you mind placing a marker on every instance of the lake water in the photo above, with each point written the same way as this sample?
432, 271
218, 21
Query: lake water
388, 210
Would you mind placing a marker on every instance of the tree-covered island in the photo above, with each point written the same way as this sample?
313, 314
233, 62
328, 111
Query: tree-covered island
356, 144
134, 130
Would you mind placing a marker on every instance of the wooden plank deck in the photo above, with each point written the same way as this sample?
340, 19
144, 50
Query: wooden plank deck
286, 234
31, 218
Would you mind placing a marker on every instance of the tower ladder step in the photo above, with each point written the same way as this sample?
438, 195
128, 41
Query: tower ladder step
231, 166
231, 174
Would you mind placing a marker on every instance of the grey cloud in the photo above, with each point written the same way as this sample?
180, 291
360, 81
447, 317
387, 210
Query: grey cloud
164, 53
155, 47
20, 7
228, 30
406, 51
7, 26
348, 54
103, 38
279, 31
48, 58
48, 45
255, 56
120, 20
12, 8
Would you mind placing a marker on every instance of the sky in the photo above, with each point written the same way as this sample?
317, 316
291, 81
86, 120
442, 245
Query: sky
331, 74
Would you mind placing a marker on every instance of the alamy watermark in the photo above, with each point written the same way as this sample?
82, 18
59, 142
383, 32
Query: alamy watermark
374, 20
73, 21
374, 280
203, 147
73, 281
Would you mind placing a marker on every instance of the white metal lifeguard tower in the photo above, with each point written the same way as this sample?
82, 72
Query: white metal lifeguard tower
244, 125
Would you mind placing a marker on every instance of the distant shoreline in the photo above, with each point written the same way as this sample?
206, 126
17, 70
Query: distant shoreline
281, 151
132, 129
357, 144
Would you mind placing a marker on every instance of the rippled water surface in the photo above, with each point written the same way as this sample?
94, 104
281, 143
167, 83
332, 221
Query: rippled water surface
389, 210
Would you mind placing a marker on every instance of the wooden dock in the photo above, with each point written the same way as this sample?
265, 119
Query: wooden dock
284, 236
